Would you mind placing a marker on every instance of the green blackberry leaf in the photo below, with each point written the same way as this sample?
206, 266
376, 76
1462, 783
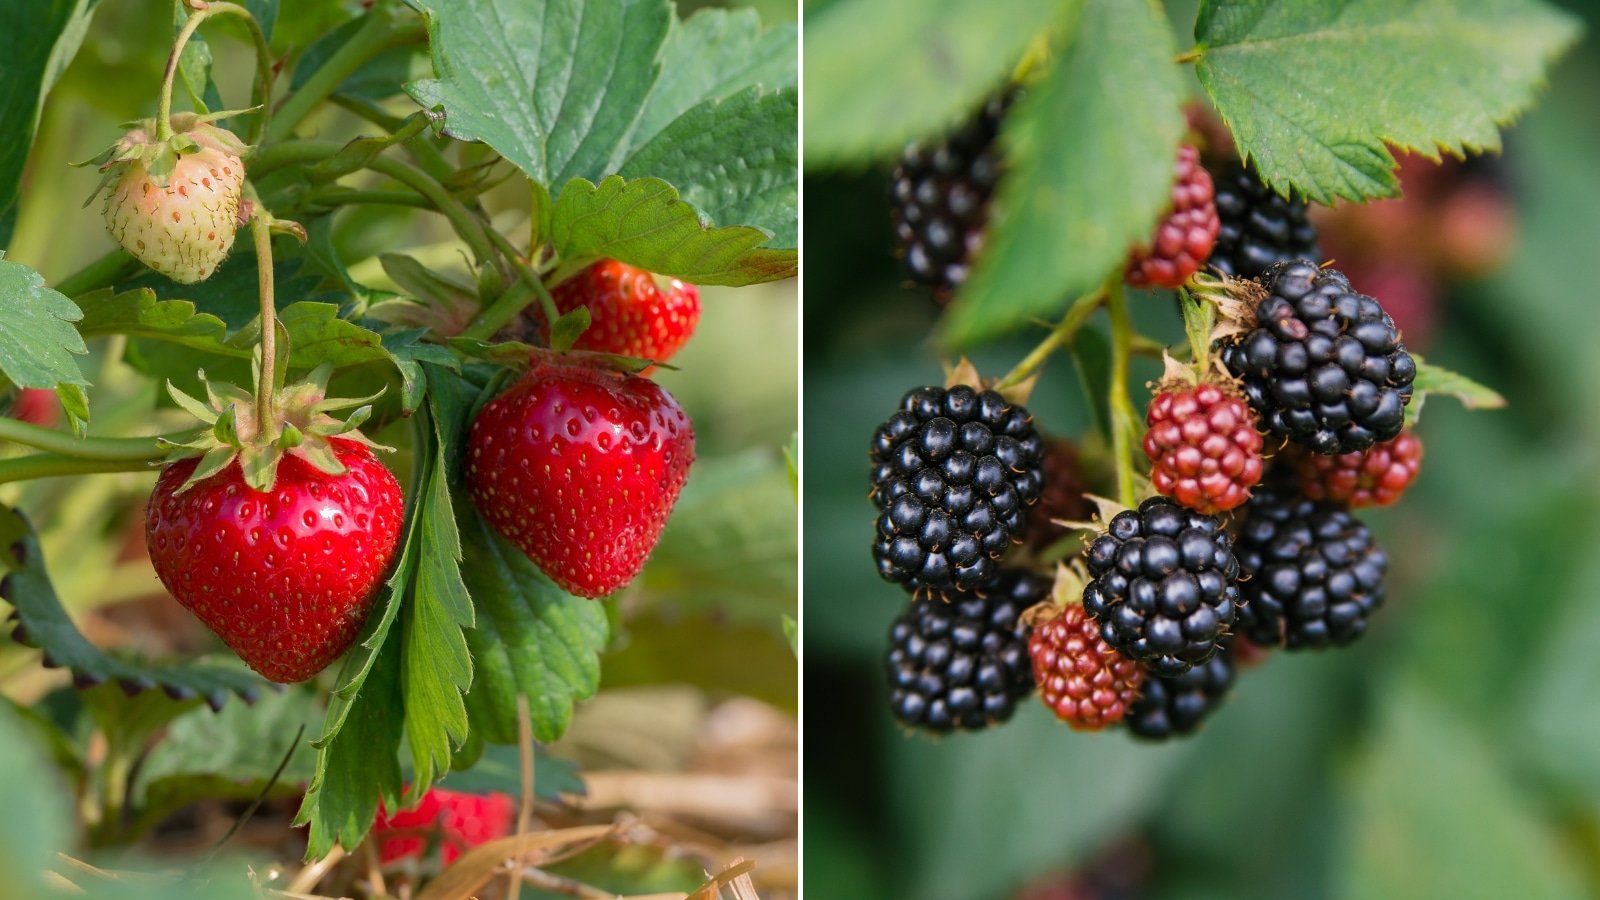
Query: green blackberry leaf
1089, 154
37, 340
1313, 92
643, 223
1435, 380
881, 73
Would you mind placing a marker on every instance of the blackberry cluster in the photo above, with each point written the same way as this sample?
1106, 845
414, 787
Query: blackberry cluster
1312, 573
940, 196
962, 661
1169, 707
1257, 228
1324, 366
1164, 590
953, 474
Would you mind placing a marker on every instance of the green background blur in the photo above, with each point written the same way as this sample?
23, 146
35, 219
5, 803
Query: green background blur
1454, 752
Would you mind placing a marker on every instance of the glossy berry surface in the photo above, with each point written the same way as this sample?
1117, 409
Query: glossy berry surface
1257, 228
1176, 706
1203, 447
453, 820
1311, 572
286, 578
1183, 240
939, 195
1376, 476
961, 661
579, 467
953, 474
1081, 679
1324, 366
1164, 590
629, 313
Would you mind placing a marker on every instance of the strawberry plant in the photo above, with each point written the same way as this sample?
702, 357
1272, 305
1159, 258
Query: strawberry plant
375, 349
1109, 231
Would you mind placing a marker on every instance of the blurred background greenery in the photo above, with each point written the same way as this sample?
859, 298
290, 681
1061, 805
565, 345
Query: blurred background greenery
700, 678
1454, 752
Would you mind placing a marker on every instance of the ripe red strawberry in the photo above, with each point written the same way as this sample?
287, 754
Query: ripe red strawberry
462, 821
1376, 476
1183, 240
1204, 449
579, 466
629, 314
1081, 679
176, 204
284, 577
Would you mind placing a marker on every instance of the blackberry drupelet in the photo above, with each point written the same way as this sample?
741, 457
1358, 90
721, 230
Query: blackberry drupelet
953, 474
1164, 590
961, 661
1257, 228
1324, 366
1170, 707
1311, 572
940, 194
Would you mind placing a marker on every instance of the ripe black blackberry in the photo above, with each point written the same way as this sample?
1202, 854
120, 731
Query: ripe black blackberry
1258, 227
1169, 707
1311, 572
953, 474
1324, 366
1164, 589
940, 194
961, 661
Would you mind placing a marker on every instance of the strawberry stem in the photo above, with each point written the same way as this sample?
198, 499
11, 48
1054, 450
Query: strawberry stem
377, 34
1077, 314
140, 449
266, 383
547, 304
1123, 419
263, 88
50, 465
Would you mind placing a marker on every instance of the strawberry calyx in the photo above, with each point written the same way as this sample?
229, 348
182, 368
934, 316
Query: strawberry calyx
192, 133
302, 425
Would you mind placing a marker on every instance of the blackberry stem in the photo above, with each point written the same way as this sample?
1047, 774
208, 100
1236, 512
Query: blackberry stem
1077, 314
1123, 419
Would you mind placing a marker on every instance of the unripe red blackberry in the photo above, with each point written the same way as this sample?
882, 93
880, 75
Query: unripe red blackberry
1258, 228
1171, 707
1081, 679
1062, 498
1183, 239
953, 474
1203, 446
1324, 366
960, 661
1311, 572
1164, 590
1376, 476
940, 194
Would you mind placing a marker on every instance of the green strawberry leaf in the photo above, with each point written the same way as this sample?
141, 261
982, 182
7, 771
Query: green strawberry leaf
75, 406
715, 53
54, 30
532, 638
437, 667
880, 73
643, 223
1089, 152
731, 160
500, 769
37, 340
1314, 91
42, 622
138, 313
560, 90
227, 756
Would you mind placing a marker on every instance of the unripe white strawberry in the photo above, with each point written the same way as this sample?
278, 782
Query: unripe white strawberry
175, 205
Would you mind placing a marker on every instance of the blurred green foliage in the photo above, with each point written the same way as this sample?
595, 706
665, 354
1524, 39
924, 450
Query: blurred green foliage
1455, 752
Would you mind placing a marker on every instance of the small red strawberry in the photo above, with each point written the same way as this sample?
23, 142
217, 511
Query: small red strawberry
175, 204
461, 821
629, 314
36, 406
277, 542
579, 466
